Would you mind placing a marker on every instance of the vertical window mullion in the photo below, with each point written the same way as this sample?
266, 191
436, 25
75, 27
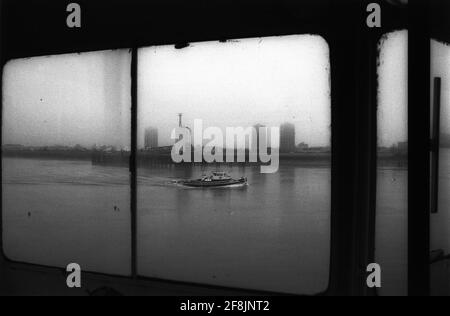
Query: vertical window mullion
133, 174
419, 155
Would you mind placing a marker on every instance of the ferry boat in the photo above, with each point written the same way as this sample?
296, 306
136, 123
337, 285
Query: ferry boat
217, 179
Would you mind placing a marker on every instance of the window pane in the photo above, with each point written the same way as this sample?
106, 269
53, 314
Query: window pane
440, 222
392, 186
272, 234
66, 140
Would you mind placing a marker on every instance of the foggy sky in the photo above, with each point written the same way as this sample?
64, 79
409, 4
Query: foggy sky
85, 98
440, 67
238, 84
68, 99
393, 90
393, 93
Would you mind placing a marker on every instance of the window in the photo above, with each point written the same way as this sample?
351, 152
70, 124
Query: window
65, 153
392, 174
272, 234
440, 220
276, 233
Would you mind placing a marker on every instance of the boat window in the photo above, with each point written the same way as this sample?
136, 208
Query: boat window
260, 111
392, 173
65, 153
440, 219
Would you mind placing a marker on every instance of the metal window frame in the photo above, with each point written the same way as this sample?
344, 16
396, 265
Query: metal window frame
353, 58
439, 30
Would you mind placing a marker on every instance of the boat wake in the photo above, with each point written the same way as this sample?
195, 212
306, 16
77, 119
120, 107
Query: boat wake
230, 187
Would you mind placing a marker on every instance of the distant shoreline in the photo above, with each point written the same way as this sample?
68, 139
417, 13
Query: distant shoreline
42, 154
145, 159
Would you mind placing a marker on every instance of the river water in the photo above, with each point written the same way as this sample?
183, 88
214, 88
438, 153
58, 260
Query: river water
273, 234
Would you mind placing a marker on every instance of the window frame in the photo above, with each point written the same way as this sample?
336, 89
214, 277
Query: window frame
353, 101
439, 31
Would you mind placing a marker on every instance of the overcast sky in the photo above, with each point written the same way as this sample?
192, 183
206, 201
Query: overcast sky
238, 84
393, 89
68, 100
85, 98
440, 67
393, 93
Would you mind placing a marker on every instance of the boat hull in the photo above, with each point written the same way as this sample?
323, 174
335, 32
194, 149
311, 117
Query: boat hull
214, 184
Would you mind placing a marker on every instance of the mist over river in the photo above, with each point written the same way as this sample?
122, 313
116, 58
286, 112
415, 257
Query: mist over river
273, 234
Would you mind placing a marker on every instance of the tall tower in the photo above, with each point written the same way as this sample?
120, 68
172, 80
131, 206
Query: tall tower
287, 138
151, 138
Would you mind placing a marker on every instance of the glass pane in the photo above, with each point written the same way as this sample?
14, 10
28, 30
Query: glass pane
440, 222
65, 149
255, 230
392, 186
